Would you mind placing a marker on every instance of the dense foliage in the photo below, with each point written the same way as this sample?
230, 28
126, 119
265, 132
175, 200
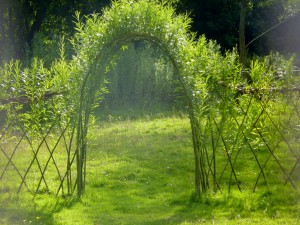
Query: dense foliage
35, 94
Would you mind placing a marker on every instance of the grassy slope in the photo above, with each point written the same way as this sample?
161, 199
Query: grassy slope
141, 172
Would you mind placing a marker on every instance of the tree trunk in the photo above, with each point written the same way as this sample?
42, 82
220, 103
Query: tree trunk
38, 20
242, 27
2, 21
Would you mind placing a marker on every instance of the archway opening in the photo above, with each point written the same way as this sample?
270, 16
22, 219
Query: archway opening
141, 82
144, 131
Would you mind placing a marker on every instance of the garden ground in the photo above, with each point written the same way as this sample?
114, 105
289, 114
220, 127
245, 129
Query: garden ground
141, 171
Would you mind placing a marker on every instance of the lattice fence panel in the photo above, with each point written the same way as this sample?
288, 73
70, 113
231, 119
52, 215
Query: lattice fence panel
43, 163
255, 140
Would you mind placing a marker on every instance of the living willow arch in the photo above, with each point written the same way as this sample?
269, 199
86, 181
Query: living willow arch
101, 37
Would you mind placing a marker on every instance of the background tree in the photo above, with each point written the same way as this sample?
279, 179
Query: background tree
11, 30
231, 22
237, 22
21, 20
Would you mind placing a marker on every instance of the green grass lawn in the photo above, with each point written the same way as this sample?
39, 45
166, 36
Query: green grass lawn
142, 172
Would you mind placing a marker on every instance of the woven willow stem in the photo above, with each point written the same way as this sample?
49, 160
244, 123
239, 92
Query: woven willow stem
10, 161
66, 174
9, 158
292, 171
272, 153
214, 147
228, 157
51, 157
35, 154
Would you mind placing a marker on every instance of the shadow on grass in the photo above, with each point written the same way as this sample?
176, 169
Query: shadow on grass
24, 216
29, 210
274, 206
